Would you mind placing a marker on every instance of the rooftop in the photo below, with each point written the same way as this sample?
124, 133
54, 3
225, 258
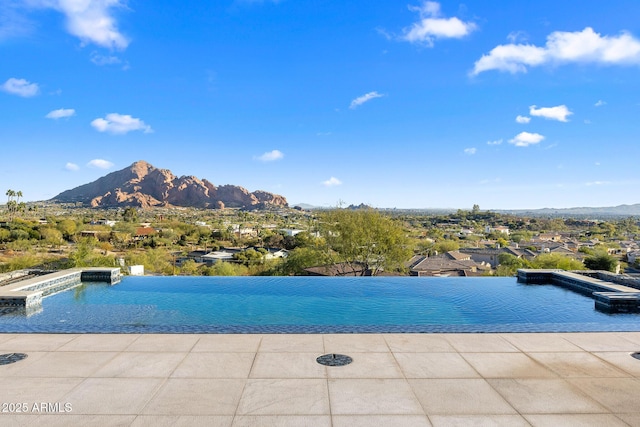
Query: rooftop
395, 379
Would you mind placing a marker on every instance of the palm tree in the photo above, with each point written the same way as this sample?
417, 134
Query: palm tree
10, 194
10, 202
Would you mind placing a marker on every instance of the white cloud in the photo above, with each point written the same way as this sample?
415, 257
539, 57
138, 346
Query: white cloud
271, 156
524, 139
470, 151
12, 22
523, 119
100, 164
71, 167
91, 21
496, 142
20, 87
584, 46
600, 103
61, 113
558, 113
592, 183
332, 182
364, 98
98, 59
432, 26
119, 124
517, 36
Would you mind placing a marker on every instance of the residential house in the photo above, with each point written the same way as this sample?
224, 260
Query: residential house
490, 256
498, 229
143, 233
290, 231
273, 253
108, 222
550, 237
448, 264
220, 255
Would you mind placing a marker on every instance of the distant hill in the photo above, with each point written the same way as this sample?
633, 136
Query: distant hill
580, 212
610, 211
143, 185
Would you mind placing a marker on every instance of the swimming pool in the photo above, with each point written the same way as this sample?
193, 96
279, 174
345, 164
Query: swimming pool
315, 305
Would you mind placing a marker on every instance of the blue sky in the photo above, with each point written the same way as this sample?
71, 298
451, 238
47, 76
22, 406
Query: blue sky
406, 104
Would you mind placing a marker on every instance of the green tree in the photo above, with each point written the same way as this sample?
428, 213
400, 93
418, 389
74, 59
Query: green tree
68, 228
601, 261
130, 214
556, 261
222, 268
446, 245
509, 264
51, 236
301, 258
365, 240
81, 255
250, 256
189, 268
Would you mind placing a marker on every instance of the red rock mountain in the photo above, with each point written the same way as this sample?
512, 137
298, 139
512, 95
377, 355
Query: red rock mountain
144, 185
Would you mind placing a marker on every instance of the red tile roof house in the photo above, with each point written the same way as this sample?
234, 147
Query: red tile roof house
142, 233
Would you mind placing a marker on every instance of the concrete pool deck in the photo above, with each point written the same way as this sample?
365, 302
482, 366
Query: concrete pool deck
520, 379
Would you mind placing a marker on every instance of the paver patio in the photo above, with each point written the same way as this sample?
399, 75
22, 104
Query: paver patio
556, 379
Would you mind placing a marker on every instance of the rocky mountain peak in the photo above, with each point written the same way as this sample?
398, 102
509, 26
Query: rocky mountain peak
144, 185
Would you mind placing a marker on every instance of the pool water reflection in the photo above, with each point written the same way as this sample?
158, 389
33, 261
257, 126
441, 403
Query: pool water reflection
316, 305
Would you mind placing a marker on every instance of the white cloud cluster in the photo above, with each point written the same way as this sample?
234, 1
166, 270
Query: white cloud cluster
332, 182
600, 103
20, 87
91, 21
100, 164
71, 167
433, 26
364, 98
524, 139
559, 113
523, 119
470, 151
120, 124
496, 142
271, 156
584, 46
61, 113
101, 60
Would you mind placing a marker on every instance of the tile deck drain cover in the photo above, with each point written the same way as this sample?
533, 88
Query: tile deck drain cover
636, 355
6, 359
334, 359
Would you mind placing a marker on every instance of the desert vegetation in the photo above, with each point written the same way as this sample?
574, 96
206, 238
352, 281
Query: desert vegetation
169, 241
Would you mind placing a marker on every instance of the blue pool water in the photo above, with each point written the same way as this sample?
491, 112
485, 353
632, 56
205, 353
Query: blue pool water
316, 304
